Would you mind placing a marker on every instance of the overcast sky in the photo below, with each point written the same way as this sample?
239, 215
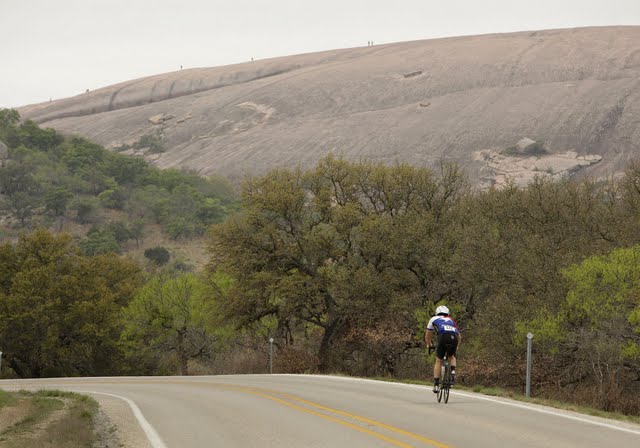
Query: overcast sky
59, 48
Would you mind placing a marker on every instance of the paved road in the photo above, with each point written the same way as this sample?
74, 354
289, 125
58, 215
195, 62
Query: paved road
313, 411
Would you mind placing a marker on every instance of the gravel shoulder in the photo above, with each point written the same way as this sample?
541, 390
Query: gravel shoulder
116, 425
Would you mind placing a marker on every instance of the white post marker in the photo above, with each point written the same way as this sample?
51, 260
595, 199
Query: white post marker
270, 355
528, 386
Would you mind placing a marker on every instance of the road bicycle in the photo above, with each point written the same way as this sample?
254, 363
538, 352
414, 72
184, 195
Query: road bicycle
445, 378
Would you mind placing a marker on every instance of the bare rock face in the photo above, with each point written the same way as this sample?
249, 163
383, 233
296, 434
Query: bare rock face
421, 102
525, 144
521, 167
160, 118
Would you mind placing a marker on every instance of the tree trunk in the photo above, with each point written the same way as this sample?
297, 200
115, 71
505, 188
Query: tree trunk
182, 356
330, 332
16, 367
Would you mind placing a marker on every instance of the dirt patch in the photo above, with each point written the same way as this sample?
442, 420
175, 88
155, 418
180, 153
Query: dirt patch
10, 415
40, 429
47, 419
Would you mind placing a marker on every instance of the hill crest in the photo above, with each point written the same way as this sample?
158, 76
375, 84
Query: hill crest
576, 90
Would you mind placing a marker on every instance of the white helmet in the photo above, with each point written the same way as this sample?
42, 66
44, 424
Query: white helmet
442, 310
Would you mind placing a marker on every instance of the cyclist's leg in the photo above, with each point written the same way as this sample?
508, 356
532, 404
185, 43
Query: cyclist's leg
451, 354
437, 367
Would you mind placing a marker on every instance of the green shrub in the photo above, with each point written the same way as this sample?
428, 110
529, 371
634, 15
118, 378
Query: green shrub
181, 228
86, 210
99, 242
158, 255
152, 141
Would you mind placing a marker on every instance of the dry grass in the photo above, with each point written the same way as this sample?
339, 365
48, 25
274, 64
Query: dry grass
52, 419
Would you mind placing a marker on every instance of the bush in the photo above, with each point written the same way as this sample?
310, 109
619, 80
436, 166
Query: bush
158, 255
86, 210
152, 141
119, 230
99, 242
113, 198
181, 228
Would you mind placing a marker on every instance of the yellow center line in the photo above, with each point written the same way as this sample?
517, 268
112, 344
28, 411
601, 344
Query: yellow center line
324, 416
346, 414
264, 393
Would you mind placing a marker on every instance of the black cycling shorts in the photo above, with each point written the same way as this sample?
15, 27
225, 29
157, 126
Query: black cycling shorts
447, 343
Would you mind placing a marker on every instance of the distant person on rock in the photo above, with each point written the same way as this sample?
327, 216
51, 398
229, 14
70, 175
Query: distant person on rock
448, 339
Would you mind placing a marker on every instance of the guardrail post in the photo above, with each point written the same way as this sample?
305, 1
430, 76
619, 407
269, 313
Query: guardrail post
528, 387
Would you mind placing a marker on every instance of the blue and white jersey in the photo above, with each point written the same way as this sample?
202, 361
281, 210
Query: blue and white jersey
442, 324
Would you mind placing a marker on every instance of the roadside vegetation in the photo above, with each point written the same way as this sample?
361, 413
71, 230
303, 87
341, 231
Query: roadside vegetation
110, 202
341, 264
511, 394
53, 419
344, 263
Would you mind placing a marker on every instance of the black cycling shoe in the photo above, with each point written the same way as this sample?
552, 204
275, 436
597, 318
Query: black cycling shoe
436, 388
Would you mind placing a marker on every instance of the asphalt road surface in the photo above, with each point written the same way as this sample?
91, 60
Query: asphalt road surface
316, 411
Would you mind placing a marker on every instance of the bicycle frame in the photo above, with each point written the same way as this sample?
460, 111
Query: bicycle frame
445, 378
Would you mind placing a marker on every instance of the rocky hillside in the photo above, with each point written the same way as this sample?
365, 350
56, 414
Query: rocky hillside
468, 99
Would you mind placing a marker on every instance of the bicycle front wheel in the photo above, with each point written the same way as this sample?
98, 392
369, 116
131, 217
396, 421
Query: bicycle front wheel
446, 382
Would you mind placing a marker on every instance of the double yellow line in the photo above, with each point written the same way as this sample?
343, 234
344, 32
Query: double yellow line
309, 407
312, 408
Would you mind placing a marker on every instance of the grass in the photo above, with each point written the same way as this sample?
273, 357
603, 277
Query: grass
54, 419
7, 399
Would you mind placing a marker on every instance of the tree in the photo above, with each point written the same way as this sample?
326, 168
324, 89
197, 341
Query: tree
9, 118
120, 231
21, 205
56, 201
601, 318
59, 310
86, 210
136, 231
98, 242
79, 153
32, 136
333, 248
169, 315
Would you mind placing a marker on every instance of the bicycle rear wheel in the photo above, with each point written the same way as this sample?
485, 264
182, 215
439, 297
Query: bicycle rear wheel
446, 383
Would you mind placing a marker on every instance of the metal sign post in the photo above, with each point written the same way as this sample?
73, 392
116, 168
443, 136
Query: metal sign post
528, 387
270, 355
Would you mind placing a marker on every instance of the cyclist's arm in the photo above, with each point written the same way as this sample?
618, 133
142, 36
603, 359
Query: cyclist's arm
429, 331
459, 333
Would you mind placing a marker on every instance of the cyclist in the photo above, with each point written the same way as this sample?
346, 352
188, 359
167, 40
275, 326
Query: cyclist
448, 338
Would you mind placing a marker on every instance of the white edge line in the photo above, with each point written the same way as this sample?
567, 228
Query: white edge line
152, 434
479, 397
